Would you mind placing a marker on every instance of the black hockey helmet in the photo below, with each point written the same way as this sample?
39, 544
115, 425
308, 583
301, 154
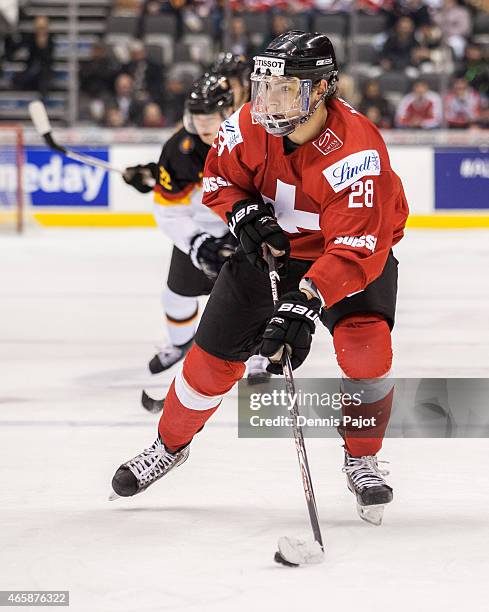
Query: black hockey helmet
233, 65
237, 68
283, 78
209, 94
307, 55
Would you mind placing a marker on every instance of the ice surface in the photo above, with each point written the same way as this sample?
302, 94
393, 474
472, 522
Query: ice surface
79, 314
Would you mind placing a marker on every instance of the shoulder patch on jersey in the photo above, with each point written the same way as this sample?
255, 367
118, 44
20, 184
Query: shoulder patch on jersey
350, 169
187, 145
229, 134
327, 142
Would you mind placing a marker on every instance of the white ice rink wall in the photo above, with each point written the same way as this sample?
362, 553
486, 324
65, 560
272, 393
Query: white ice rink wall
445, 176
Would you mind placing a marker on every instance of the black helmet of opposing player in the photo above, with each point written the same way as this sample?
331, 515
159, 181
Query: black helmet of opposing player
232, 65
209, 102
237, 68
284, 76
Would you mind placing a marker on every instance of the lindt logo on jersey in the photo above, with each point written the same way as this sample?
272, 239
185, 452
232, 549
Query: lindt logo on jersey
276, 66
328, 142
350, 169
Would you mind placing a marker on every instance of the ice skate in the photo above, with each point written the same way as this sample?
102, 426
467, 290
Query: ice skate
141, 471
365, 480
167, 357
257, 370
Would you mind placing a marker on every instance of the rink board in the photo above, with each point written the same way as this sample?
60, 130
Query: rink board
446, 187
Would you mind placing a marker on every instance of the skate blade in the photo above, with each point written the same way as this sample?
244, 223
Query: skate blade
113, 496
371, 514
298, 552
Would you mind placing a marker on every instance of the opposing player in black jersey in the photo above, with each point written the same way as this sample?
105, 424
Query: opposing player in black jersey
237, 69
202, 242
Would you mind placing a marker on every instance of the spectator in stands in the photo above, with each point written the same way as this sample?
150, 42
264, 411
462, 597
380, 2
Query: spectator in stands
40, 48
421, 108
251, 5
416, 10
126, 101
157, 7
427, 34
333, 6
420, 58
238, 40
114, 118
373, 113
375, 106
97, 76
152, 116
174, 99
299, 6
455, 23
462, 105
475, 70
148, 76
216, 11
398, 50
281, 23
374, 6
347, 89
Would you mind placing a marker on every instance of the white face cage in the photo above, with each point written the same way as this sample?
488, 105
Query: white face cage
280, 103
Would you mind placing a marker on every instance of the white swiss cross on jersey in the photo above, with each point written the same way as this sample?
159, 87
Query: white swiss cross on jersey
289, 217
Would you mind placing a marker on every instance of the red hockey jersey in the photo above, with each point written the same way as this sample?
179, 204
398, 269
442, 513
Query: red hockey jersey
336, 197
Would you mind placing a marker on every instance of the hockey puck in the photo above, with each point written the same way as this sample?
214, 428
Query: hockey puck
279, 559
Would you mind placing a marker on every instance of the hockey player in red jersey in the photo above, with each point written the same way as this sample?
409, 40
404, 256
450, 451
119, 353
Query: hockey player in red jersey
201, 240
303, 172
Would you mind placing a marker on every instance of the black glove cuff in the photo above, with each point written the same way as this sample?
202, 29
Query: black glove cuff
195, 244
153, 168
244, 212
295, 305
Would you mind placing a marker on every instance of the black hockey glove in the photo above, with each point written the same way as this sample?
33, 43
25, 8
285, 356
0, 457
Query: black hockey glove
209, 253
142, 178
253, 224
292, 325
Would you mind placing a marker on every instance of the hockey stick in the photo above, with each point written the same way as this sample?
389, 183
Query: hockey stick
41, 122
291, 551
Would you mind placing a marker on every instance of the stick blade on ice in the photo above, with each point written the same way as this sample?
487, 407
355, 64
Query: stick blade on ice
39, 117
294, 552
152, 405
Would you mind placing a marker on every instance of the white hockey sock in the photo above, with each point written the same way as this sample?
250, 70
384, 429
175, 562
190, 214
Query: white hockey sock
181, 316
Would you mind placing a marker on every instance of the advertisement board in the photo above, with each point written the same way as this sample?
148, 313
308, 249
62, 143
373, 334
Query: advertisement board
51, 179
462, 178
